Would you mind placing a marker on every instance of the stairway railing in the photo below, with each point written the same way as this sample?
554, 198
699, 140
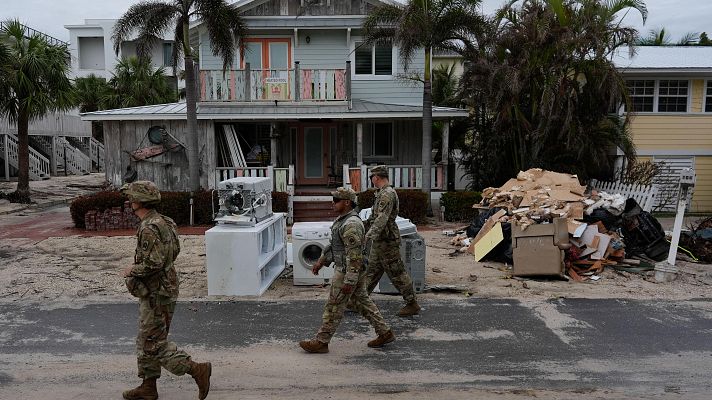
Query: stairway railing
96, 152
77, 163
39, 164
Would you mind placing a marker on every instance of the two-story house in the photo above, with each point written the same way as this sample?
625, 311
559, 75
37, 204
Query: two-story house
305, 101
671, 92
92, 50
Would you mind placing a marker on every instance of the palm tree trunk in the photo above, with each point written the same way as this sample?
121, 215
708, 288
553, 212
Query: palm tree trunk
192, 116
427, 129
23, 175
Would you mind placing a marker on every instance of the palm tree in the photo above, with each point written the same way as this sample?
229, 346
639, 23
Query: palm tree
542, 87
136, 83
33, 82
660, 37
424, 26
153, 18
445, 86
91, 92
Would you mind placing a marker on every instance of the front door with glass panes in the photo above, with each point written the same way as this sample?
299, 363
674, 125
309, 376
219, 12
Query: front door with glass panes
313, 154
270, 60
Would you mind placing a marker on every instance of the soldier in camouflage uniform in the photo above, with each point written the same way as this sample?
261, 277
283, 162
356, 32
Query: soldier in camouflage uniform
383, 238
346, 251
153, 279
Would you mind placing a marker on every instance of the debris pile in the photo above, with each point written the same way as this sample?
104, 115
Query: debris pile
577, 233
699, 240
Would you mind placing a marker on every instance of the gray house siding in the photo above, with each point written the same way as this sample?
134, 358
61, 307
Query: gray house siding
390, 92
294, 8
326, 49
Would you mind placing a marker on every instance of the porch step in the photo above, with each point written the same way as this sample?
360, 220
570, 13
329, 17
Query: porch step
307, 211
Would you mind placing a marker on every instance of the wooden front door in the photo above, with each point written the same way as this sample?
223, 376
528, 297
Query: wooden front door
313, 154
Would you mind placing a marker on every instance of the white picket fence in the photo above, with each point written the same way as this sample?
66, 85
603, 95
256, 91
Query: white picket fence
9, 151
644, 195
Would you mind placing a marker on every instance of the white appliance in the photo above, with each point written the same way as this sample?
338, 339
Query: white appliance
244, 201
405, 226
308, 241
412, 252
244, 261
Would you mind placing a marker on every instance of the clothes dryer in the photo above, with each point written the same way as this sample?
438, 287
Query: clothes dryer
308, 242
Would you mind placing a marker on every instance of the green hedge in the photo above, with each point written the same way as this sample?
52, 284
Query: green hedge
412, 203
175, 205
458, 205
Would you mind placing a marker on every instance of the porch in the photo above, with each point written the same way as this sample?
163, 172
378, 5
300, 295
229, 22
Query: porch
313, 203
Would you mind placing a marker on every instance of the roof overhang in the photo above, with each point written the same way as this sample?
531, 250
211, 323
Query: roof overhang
681, 72
361, 110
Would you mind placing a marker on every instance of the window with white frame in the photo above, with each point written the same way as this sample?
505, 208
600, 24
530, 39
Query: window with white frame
708, 97
642, 94
373, 60
672, 95
378, 139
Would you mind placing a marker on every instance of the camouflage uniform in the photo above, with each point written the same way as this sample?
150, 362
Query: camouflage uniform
346, 251
154, 281
384, 237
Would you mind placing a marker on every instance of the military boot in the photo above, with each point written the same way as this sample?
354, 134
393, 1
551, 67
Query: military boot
145, 391
314, 346
382, 339
201, 373
409, 309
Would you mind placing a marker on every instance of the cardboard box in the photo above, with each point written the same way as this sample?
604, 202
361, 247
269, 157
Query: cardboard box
536, 249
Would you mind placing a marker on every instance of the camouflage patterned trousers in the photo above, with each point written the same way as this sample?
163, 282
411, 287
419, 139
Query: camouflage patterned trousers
385, 257
360, 301
152, 346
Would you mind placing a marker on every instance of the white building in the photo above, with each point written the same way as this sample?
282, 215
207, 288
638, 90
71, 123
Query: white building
92, 50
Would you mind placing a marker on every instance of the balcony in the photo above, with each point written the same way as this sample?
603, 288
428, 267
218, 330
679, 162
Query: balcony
268, 85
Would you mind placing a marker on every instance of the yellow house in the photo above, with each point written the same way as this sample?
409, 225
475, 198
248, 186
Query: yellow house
671, 91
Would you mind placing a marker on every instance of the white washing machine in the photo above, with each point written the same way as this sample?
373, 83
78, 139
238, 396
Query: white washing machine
308, 241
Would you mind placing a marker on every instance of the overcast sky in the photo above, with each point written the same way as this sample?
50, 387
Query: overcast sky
50, 16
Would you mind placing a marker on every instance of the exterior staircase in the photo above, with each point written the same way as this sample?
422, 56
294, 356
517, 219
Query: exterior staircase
313, 205
9, 151
92, 148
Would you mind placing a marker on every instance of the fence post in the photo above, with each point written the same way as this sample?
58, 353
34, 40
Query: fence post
346, 176
348, 82
364, 178
248, 82
6, 157
297, 82
290, 195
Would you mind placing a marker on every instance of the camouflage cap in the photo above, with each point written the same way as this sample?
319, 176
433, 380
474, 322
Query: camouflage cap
144, 192
380, 170
344, 193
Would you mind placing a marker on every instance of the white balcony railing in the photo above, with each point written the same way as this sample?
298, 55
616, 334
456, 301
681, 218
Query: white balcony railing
296, 84
400, 177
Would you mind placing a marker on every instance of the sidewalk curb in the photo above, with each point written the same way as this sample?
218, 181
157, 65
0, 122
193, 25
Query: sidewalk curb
38, 206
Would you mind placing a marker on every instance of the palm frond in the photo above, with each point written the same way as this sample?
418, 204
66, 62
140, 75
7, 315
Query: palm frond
149, 19
226, 28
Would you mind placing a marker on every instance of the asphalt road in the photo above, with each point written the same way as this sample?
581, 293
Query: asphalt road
562, 348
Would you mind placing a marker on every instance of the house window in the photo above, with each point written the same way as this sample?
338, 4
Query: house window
708, 97
168, 54
642, 94
672, 96
380, 139
373, 60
